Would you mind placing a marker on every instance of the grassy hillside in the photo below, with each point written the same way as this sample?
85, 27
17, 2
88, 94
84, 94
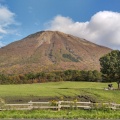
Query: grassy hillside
55, 90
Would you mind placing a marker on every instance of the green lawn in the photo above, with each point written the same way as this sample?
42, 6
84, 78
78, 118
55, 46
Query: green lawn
94, 90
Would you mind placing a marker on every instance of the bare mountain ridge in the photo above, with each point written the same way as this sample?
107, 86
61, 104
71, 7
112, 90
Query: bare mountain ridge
50, 50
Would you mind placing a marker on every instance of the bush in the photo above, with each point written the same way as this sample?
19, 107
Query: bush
2, 103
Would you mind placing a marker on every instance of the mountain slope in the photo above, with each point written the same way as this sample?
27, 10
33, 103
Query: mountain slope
50, 50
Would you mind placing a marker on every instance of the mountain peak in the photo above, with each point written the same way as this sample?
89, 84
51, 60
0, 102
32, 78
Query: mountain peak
50, 50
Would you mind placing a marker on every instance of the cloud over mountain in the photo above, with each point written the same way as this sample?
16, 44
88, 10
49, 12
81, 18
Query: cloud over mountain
103, 28
7, 18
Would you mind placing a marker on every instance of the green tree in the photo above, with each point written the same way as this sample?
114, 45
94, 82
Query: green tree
90, 76
97, 76
110, 67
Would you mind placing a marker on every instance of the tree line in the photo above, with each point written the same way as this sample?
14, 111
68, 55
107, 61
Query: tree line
110, 72
68, 75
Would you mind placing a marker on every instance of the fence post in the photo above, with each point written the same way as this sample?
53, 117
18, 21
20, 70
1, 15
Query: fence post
59, 105
114, 106
31, 105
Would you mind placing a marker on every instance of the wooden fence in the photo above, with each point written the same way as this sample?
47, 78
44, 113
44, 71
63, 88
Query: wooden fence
58, 105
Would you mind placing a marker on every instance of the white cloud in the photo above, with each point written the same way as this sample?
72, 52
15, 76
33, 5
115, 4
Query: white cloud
7, 18
103, 28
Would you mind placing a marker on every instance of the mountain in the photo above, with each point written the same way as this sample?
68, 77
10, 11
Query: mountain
50, 51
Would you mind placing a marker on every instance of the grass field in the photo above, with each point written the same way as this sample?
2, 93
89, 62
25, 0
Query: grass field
63, 114
92, 90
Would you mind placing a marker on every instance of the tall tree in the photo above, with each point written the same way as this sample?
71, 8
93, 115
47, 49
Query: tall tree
110, 66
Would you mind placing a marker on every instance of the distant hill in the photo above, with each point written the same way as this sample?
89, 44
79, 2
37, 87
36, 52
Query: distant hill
50, 51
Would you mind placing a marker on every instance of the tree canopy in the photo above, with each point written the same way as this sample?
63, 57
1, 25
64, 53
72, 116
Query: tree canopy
110, 66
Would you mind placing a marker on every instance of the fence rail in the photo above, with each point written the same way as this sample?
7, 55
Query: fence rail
58, 105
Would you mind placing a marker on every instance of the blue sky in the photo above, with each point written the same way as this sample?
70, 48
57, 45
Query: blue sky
94, 20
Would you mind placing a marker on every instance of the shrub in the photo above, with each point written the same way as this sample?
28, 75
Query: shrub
2, 103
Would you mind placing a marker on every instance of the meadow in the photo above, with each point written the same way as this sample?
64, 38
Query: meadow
93, 91
68, 114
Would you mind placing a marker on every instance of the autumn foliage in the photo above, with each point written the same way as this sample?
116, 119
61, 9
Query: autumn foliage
68, 75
